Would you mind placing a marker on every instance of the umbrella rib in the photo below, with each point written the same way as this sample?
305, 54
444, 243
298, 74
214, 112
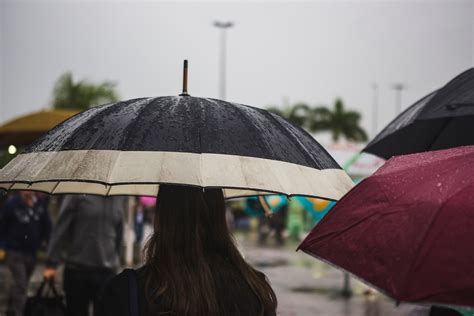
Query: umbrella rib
108, 190
55, 186
145, 102
97, 138
83, 116
293, 136
111, 170
418, 255
242, 114
435, 137
418, 249
200, 144
404, 284
381, 137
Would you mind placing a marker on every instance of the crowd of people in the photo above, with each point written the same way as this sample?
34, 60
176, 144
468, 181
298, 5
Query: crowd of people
87, 238
190, 243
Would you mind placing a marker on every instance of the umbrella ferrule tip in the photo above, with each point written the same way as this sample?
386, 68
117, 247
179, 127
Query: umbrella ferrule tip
185, 79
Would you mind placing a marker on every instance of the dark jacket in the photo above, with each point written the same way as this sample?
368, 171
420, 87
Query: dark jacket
23, 228
89, 231
115, 298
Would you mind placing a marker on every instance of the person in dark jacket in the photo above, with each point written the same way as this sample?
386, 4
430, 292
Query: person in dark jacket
192, 265
24, 226
89, 231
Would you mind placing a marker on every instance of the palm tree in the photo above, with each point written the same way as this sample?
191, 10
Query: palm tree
317, 119
339, 121
68, 94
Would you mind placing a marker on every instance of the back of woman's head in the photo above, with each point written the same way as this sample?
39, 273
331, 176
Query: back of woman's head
193, 266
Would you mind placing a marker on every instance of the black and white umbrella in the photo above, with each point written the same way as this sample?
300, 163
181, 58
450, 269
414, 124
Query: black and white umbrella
442, 119
132, 147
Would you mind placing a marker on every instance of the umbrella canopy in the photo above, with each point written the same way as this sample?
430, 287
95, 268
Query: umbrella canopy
133, 146
443, 119
408, 229
25, 129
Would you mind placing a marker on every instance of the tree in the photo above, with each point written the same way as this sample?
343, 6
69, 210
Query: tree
317, 119
68, 94
339, 122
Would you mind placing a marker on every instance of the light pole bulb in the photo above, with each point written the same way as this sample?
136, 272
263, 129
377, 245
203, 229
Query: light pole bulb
12, 149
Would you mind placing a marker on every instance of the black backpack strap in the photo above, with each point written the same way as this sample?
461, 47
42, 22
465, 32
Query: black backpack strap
133, 292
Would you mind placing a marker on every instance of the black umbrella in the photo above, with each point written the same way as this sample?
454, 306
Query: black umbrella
441, 120
133, 146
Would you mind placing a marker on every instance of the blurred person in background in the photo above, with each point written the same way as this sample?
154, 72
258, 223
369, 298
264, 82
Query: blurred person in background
278, 224
258, 207
89, 231
139, 223
24, 226
143, 214
295, 219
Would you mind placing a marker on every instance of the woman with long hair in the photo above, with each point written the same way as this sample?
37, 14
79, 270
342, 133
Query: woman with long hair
192, 266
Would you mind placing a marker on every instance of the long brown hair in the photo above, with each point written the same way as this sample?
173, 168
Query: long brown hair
193, 266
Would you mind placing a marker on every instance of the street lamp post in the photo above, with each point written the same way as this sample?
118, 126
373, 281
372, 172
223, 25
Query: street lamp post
223, 26
375, 107
398, 87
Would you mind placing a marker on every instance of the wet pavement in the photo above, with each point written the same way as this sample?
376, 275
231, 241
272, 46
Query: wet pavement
304, 285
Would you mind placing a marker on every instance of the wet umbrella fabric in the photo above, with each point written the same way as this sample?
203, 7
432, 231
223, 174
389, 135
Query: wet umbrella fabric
131, 147
443, 119
408, 229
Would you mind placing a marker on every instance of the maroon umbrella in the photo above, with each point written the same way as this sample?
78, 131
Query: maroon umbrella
408, 230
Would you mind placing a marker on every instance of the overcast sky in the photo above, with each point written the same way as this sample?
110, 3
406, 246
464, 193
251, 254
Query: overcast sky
308, 51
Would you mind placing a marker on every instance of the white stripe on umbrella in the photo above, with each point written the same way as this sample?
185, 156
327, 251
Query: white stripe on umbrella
114, 172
